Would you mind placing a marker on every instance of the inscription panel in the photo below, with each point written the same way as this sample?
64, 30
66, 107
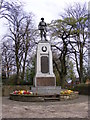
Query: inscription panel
44, 64
45, 81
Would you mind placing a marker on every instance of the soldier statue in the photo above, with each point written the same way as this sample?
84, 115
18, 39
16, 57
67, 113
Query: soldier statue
42, 27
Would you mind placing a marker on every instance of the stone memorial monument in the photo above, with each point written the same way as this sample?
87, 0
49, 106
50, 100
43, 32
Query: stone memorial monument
45, 80
44, 65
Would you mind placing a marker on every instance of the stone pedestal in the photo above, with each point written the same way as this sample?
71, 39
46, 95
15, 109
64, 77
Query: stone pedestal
46, 90
44, 65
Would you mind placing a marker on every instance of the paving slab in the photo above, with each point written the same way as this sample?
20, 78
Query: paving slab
60, 109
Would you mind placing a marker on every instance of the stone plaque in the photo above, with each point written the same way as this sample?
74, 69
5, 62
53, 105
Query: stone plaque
44, 64
45, 81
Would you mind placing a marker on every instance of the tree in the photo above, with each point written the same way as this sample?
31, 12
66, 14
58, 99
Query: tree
7, 58
85, 74
79, 43
70, 70
1, 2
70, 37
60, 32
21, 30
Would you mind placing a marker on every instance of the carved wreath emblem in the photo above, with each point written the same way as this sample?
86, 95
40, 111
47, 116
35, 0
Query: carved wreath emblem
44, 48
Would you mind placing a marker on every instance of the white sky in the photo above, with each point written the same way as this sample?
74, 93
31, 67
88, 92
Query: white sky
49, 9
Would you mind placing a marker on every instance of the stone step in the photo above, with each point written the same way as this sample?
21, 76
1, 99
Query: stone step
52, 99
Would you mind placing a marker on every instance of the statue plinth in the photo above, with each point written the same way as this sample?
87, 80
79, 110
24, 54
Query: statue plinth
44, 65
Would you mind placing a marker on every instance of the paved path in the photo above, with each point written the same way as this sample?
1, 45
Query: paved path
61, 109
0, 107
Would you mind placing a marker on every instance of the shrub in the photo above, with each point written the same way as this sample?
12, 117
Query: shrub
23, 82
83, 89
10, 81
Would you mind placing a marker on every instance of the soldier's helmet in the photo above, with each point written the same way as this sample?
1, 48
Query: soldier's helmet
42, 18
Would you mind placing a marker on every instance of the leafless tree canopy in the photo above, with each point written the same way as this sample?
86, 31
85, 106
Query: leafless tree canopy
20, 37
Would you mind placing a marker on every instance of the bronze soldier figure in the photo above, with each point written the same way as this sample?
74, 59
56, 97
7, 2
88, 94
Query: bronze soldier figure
42, 27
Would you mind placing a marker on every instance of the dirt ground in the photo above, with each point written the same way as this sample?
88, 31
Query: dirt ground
61, 109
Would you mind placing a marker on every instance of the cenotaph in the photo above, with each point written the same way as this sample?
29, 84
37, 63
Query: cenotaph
45, 80
44, 65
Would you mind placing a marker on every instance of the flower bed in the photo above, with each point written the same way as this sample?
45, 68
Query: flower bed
23, 92
28, 96
25, 96
68, 95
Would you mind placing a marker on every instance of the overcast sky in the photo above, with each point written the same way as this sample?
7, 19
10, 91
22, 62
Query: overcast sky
49, 9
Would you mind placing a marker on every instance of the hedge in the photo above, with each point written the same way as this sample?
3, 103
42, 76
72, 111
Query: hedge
83, 89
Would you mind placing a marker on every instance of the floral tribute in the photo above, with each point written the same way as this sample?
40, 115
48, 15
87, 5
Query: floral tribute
66, 92
23, 92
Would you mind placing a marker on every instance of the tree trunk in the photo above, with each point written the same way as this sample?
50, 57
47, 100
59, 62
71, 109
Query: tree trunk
63, 71
18, 67
81, 66
24, 62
